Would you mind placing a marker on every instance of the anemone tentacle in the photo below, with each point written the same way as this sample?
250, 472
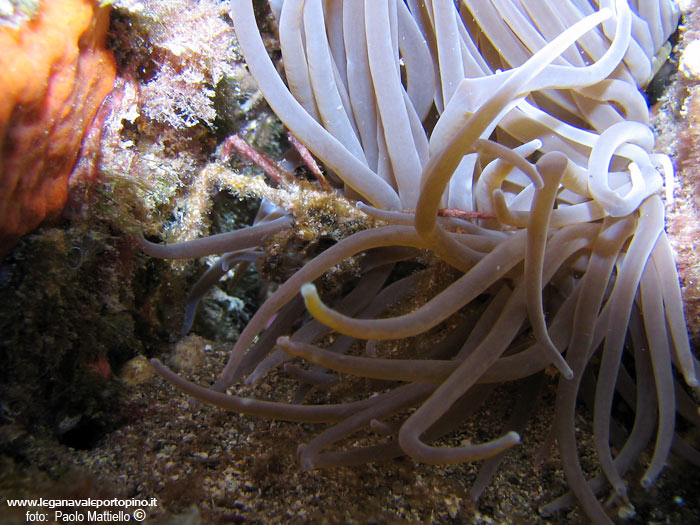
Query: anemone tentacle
526, 118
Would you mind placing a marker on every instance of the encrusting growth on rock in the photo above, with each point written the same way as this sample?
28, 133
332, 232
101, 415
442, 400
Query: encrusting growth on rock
55, 73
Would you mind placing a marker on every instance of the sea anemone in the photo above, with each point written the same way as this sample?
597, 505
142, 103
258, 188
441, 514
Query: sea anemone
526, 117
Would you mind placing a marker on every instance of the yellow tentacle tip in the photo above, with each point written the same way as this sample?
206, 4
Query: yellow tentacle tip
313, 302
310, 294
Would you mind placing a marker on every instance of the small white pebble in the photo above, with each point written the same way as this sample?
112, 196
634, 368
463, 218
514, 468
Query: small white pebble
189, 354
626, 512
452, 503
6, 8
685, 5
137, 371
690, 61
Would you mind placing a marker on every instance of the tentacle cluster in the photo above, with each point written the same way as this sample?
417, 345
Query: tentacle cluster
527, 115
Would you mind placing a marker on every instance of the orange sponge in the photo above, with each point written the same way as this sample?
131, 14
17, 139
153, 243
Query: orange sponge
55, 73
